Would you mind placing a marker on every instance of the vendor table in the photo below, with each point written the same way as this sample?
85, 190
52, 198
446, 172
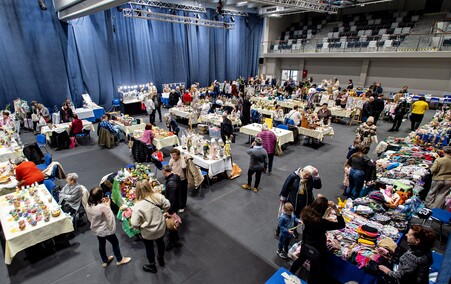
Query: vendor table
162, 142
131, 107
277, 277
283, 136
263, 111
82, 113
188, 113
129, 129
316, 133
47, 130
341, 112
10, 185
10, 153
17, 240
214, 167
217, 119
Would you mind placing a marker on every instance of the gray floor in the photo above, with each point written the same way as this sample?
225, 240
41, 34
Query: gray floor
227, 235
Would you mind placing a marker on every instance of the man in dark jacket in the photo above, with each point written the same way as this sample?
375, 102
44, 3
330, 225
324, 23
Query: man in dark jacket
246, 113
367, 109
258, 163
378, 107
226, 128
401, 109
298, 188
173, 194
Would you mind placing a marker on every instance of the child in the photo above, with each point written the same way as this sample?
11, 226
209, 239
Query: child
103, 225
287, 222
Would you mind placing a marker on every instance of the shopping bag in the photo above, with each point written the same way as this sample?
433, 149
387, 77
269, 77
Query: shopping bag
278, 150
236, 171
143, 106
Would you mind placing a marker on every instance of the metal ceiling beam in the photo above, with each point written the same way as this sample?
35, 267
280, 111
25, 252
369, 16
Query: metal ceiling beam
147, 15
312, 6
158, 4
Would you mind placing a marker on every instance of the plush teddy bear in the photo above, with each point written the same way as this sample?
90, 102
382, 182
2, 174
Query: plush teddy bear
399, 198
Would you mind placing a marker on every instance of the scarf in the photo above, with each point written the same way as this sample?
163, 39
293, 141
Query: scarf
302, 186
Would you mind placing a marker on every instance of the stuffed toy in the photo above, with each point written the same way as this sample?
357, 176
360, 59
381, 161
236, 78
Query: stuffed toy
388, 193
399, 198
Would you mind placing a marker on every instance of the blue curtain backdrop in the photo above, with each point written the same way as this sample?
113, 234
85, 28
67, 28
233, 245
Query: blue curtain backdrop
48, 60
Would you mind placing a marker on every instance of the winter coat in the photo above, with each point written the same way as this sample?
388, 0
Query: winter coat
290, 190
147, 215
173, 192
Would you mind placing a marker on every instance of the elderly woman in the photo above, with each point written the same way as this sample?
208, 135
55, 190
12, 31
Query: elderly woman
367, 132
298, 188
27, 173
70, 195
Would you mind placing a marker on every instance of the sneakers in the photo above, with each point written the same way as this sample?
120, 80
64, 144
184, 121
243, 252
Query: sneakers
255, 189
152, 268
246, 186
282, 254
182, 210
110, 259
124, 260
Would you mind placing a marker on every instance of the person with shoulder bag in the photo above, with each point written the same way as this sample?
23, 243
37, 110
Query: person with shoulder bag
314, 239
173, 194
148, 217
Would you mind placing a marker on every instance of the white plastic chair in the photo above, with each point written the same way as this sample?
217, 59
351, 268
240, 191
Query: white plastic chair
405, 30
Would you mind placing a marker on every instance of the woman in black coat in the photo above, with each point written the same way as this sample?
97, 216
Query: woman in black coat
173, 194
246, 113
314, 239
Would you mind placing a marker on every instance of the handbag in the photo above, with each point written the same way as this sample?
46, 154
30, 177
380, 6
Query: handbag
143, 106
278, 150
310, 252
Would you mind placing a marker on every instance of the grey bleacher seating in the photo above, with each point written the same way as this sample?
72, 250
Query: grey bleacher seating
388, 43
394, 25
397, 31
382, 31
415, 18
405, 30
365, 43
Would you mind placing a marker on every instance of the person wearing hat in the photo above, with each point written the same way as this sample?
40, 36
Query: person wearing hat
441, 180
324, 114
258, 163
401, 109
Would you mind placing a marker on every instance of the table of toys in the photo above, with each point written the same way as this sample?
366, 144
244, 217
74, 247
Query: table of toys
30, 216
123, 192
437, 132
162, 138
370, 237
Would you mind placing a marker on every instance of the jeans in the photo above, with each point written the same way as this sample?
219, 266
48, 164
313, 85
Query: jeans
270, 161
356, 179
183, 193
149, 249
258, 175
114, 242
284, 242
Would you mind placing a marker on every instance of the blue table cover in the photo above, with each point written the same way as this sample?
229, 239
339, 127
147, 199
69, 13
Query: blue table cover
278, 279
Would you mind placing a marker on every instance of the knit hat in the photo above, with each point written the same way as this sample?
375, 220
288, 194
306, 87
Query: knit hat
388, 244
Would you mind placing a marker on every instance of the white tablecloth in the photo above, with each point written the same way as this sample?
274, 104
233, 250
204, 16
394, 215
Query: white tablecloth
159, 143
191, 115
130, 128
341, 112
58, 128
6, 188
266, 112
17, 240
316, 133
12, 152
217, 119
82, 113
283, 136
214, 166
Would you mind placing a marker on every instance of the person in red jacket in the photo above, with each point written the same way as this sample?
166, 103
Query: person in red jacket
27, 173
77, 126
269, 144
187, 98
